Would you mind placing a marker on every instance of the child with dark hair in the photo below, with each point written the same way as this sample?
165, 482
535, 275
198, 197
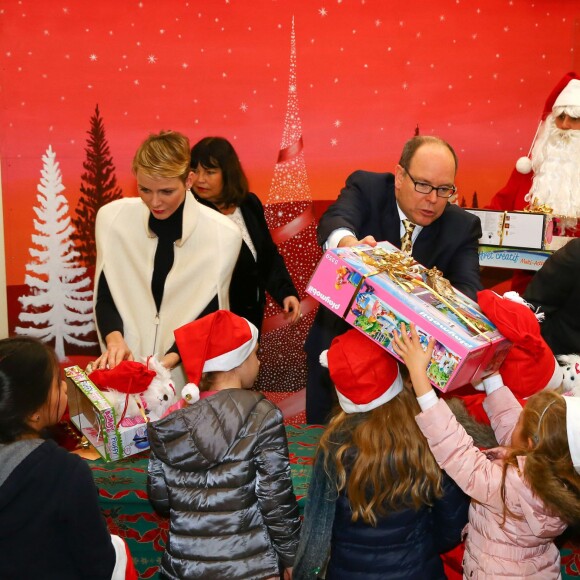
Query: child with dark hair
50, 522
378, 504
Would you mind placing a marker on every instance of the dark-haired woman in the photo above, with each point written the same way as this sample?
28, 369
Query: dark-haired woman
219, 182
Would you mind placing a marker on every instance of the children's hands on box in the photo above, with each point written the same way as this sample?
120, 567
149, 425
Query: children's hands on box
408, 347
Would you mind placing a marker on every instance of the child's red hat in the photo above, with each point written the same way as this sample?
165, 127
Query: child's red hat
530, 365
220, 341
365, 375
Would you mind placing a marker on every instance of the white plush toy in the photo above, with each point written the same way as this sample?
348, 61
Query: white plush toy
161, 392
570, 364
137, 390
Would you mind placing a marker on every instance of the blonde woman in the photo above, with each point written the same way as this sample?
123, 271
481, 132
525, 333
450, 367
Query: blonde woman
163, 259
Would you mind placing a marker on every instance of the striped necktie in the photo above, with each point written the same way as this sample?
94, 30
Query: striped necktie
406, 240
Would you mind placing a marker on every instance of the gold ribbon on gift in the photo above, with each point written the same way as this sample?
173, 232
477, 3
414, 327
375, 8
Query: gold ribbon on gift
535, 207
565, 222
401, 269
502, 228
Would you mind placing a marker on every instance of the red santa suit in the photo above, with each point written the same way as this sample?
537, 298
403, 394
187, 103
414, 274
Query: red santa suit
513, 195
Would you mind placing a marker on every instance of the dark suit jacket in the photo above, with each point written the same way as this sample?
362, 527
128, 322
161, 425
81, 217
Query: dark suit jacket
367, 206
555, 289
251, 279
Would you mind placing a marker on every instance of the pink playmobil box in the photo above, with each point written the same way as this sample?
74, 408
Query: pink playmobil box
377, 289
95, 417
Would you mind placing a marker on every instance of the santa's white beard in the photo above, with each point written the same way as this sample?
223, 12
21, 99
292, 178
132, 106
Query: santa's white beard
556, 165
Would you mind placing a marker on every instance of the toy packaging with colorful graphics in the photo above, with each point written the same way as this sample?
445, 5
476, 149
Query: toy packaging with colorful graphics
377, 289
95, 417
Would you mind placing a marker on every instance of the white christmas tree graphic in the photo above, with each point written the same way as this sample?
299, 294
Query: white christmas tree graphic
59, 306
291, 220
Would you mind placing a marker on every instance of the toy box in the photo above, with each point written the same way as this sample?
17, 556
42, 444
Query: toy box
377, 289
95, 417
520, 229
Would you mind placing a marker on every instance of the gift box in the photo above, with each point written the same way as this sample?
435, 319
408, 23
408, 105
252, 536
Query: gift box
95, 417
524, 230
377, 289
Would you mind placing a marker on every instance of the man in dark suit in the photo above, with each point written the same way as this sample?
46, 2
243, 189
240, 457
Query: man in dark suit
383, 206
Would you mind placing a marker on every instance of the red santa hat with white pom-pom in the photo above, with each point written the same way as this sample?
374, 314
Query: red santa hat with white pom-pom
530, 365
565, 94
365, 375
220, 341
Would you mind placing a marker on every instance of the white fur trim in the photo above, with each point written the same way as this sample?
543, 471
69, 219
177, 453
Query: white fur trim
557, 377
120, 568
349, 407
323, 358
570, 96
570, 110
573, 429
515, 297
190, 393
234, 358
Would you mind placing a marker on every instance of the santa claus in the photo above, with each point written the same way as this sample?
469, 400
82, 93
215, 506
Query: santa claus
554, 183
554, 158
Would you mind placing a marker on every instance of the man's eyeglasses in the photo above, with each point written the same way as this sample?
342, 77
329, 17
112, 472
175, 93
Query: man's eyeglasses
445, 191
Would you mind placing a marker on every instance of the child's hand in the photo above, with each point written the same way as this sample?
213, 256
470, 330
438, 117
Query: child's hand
415, 358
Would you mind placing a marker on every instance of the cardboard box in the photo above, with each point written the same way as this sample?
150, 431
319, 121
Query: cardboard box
376, 289
520, 229
95, 417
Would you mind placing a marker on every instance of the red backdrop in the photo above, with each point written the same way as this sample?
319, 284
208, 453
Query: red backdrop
367, 73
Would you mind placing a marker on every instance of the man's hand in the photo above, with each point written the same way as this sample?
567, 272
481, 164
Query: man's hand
348, 241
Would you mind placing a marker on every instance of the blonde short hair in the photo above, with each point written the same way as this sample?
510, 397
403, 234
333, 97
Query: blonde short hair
165, 154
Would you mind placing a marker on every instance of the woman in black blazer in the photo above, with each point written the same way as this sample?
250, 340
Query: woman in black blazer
220, 182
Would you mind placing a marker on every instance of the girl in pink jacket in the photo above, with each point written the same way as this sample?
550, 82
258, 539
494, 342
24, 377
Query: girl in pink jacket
525, 493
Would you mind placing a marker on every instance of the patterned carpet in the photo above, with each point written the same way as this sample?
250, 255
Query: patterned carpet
123, 497
277, 398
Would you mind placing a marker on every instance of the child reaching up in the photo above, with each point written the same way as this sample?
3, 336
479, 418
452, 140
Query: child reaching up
378, 505
219, 467
50, 522
524, 493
